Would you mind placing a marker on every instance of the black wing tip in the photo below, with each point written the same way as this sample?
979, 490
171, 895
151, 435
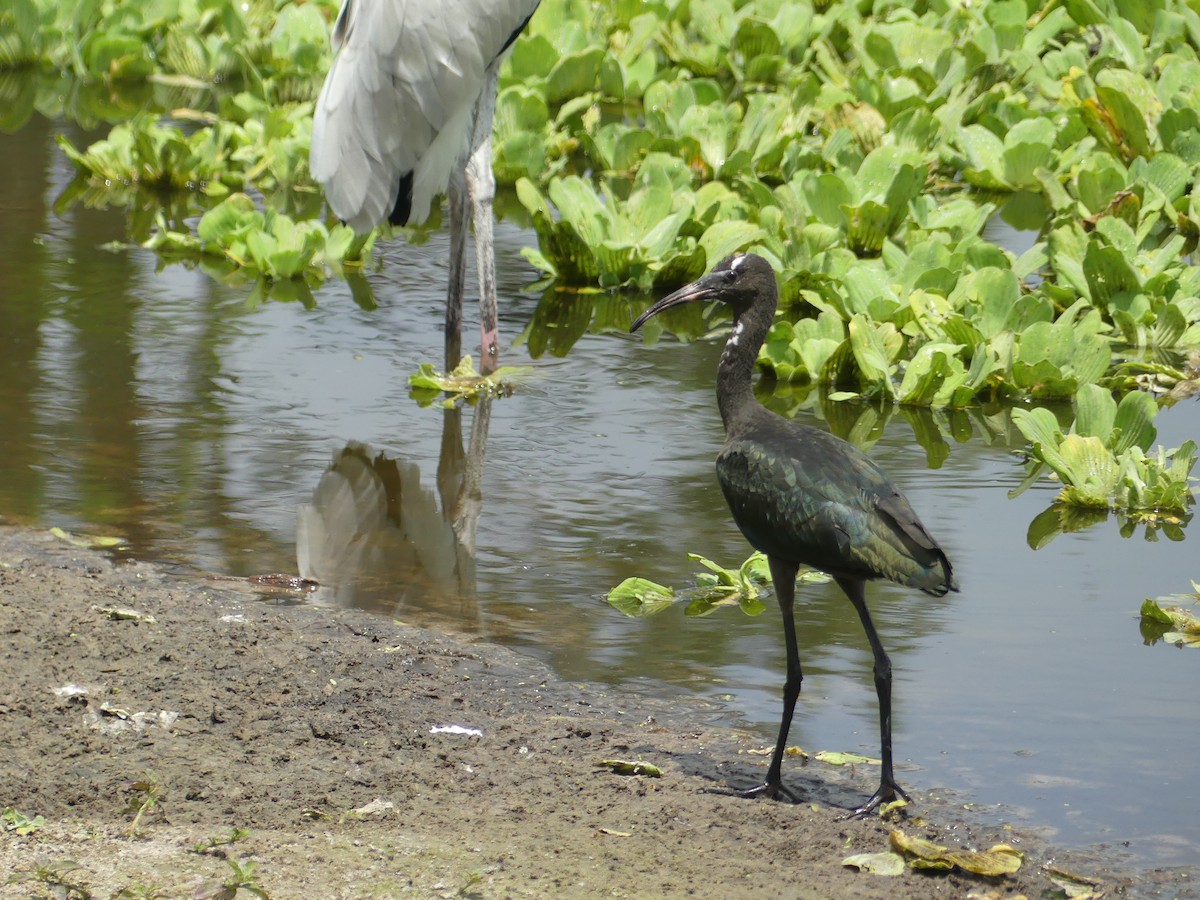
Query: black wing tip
402, 208
949, 583
942, 589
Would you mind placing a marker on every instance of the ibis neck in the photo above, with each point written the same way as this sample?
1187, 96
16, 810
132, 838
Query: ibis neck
735, 373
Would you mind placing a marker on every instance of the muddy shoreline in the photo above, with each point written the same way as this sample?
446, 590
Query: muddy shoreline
130, 688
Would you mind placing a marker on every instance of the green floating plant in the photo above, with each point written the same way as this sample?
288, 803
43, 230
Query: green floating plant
268, 241
201, 42
636, 241
464, 383
143, 152
1144, 287
981, 341
1103, 462
250, 143
1173, 624
717, 587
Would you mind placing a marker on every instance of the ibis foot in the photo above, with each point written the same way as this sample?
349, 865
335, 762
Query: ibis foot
887, 792
775, 791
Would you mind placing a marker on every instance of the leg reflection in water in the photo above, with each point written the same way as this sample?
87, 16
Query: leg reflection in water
373, 538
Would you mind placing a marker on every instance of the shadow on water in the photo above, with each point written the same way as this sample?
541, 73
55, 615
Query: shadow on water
149, 401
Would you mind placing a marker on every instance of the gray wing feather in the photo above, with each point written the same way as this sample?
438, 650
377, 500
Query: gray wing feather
399, 98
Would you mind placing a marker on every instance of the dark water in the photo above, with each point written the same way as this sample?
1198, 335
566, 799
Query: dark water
150, 402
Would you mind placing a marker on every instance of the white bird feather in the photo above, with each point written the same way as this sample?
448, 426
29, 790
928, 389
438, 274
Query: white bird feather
400, 98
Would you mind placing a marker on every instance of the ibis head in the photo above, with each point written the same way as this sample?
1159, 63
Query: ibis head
742, 281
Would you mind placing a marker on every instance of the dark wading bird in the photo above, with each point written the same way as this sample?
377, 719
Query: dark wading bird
805, 497
405, 115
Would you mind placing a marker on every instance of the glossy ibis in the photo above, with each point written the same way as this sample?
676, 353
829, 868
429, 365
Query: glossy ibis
805, 497
405, 115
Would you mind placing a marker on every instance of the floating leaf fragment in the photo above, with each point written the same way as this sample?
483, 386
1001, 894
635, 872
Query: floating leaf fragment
1171, 624
640, 597
630, 767
1001, 859
717, 587
886, 863
1152, 612
87, 542
464, 383
838, 758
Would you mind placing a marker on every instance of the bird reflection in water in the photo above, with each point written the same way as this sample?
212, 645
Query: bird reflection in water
375, 539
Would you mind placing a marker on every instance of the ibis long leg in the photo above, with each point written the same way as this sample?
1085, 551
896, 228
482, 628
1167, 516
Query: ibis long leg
888, 789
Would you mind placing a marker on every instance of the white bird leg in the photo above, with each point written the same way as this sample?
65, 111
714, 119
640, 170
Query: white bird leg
457, 196
481, 188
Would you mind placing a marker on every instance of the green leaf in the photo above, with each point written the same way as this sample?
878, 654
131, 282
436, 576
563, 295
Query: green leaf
1095, 411
985, 156
20, 824
1125, 95
870, 354
1021, 162
231, 217
1152, 612
839, 758
1108, 274
639, 597
932, 372
1090, 470
1176, 625
708, 603
723, 575
723, 238
751, 606
756, 569
574, 75
1134, 419
1041, 429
